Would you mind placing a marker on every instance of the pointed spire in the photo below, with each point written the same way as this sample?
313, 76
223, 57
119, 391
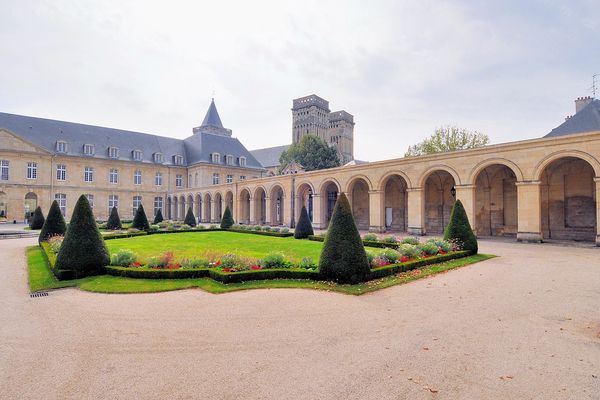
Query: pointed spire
212, 116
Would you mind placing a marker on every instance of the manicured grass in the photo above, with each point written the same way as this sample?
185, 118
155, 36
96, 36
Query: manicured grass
201, 244
41, 278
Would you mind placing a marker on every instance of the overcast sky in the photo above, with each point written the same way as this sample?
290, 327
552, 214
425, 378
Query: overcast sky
510, 69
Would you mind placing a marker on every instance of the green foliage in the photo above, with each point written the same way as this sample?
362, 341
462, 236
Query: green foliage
312, 153
140, 221
54, 224
304, 227
371, 237
307, 263
266, 228
37, 219
227, 219
55, 242
190, 219
430, 249
443, 245
83, 250
459, 230
158, 218
409, 250
448, 138
343, 258
273, 260
390, 239
410, 240
390, 256
123, 258
114, 222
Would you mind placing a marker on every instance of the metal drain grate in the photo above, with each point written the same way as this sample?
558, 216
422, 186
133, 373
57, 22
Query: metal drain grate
38, 294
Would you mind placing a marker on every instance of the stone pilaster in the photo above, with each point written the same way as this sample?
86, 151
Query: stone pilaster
529, 225
466, 195
376, 211
416, 211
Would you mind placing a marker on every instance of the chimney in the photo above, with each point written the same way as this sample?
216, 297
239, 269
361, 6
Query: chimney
581, 102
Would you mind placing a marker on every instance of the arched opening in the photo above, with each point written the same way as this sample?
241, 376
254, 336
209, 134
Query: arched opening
305, 198
395, 203
439, 199
229, 201
167, 214
277, 206
568, 200
218, 207
329, 195
260, 206
496, 201
198, 206
359, 199
29, 205
244, 216
207, 208
182, 208
3, 206
175, 213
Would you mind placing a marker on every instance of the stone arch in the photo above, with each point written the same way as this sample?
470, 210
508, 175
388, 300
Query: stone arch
304, 194
277, 196
356, 178
439, 167
439, 200
495, 161
384, 179
568, 199
496, 211
541, 166
207, 204
260, 205
218, 207
198, 206
30, 203
244, 212
328, 193
358, 193
395, 202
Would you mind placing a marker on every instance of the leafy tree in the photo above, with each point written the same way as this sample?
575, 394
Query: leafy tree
312, 152
190, 219
158, 217
304, 227
83, 250
459, 230
140, 221
37, 219
343, 258
227, 219
114, 222
54, 224
448, 138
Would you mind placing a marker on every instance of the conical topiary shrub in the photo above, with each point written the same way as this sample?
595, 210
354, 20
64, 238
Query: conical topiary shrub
190, 219
83, 251
140, 221
37, 219
459, 230
227, 219
54, 224
343, 258
304, 227
114, 222
158, 218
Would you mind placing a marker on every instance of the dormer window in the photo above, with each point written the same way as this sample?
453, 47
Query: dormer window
113, 152
178, 160
242, 161
216, 158
89, 149
137, 155
61, 146
158, 157
229, 159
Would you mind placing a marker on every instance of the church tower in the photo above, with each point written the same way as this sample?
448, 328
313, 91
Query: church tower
341, 134
212, 122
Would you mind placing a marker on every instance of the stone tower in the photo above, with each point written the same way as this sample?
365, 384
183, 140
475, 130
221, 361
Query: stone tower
311, 116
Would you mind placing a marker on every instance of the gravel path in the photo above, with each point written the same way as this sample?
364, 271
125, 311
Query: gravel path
509, 328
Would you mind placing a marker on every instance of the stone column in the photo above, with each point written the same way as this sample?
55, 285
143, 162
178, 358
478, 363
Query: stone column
597, 180
213, 211
317, 212
376, 211
529, 225
252, 215
466, 195
171, 210
286, 215
267, 210
416, 211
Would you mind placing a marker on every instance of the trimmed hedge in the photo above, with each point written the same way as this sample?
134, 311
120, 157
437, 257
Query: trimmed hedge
392, 269
37, 219
114, 222
158, 218
366, 243
459, 230
304, 228
227, 219
263, 233
51, 260
140, 221
54, 224
124, 235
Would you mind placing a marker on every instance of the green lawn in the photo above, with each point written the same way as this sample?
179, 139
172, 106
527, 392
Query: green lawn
41, 278
205, 244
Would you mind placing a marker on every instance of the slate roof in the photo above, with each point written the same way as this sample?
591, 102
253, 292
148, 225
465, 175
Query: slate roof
200, 146
212, 116
269, 156
586, 120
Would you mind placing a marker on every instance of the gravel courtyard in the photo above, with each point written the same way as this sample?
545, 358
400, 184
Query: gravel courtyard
525, 325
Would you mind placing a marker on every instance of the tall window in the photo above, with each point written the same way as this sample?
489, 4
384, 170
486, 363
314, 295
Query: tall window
4, 170
216, 158
113, 201
215, 179
31, 170
137, 177
61, 172
137, 155
158, 201
113, 176
88, 149
90, 198
137, 200
61, 147
88, 174
158, 179
113, 152
178, 180
229, 178
61, 199
242, 161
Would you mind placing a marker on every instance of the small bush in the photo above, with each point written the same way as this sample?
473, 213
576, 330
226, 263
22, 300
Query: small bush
370, 237
459, 230
275, 230
55, 242
140, 221
304, 228
161, 261
307, 263
37, 219
409, 250
443, 245
194, 263
390, 239
257, 228
410, 240
123, 258
285, 229
236, 227
213, 226
229, 260
392, 256
227, 219
114, 222
273, 260
154, 228
158, 218
266, 228
102, 225
54, 224
190, 219
430, 249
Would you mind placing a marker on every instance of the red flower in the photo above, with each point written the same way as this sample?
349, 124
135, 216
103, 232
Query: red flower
404, 259
226, 269
255, 267
218, 263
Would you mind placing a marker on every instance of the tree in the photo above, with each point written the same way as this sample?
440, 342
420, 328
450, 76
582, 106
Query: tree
158, 218
227, 219
140, 221
54, 224
83, 251
312, 152
114, 222
448, 138
190, 219
459, 230
343, 258
37, 219
304, 227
